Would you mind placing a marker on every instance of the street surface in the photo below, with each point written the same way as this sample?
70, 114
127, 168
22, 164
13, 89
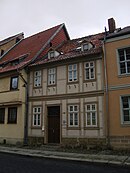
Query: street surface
10, 163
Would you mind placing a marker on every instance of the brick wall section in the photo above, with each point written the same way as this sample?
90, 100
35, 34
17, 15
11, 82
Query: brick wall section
120, 142
84, 142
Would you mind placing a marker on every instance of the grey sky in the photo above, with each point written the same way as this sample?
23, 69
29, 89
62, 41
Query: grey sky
81, 17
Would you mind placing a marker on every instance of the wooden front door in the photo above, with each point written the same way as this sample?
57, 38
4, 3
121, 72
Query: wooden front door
54, 124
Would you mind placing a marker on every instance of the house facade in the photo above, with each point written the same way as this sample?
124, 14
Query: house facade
14, 81
66, 95
117, 85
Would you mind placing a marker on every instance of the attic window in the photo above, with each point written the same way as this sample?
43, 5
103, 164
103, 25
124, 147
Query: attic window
52, 54
85, 47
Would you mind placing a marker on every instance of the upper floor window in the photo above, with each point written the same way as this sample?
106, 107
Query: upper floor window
89, 70
72, 72
37, 116
51, 76
2, 115
91, 115
73, 115
124, 60
37, 78
12, 115
125, 109
14, 83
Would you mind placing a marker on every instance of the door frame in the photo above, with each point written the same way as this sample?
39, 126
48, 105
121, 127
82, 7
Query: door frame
46, 122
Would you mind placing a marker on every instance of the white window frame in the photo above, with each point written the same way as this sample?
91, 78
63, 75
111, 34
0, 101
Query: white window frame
52, 76
37, 116
73, 111
72, 73
89, 113
125, 61
37, 78
89, 67
125, 109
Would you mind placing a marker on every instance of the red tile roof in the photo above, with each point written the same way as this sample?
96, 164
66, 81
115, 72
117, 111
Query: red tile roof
31, 46
21, 35
69, 49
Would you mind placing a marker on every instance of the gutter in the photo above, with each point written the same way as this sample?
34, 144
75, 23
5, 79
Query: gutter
106, 94
26, 109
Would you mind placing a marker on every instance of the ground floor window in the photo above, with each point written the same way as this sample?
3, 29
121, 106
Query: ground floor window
73, 115
125, 100
37, 116
91, 115
2, 115
12, 115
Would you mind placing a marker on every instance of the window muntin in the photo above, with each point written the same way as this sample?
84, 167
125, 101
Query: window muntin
91, 115
37, 116
89, 70
51, 76
2, 115
72, 72
37, 78
124, 60
73, 115
12, 115
14, 83
125, 109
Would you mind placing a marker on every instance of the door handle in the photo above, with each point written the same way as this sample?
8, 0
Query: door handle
53, 131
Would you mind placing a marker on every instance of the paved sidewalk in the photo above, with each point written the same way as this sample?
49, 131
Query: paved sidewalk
95, 158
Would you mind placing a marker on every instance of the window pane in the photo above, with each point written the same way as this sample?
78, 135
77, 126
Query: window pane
14, 82
87, 73
125, 102
88, 107
70, 67
71, 119
92, 73
76, 119
12, 115
75, 75
126, 115
93, 118
71, 108
122, 68
75, 108
128, 67
70, 75
75, 66
128, 53
88, 119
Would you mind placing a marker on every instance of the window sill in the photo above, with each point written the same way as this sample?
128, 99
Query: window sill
36, 127
89, 80
91, 128
51, 85
73, 128
72, 82
14, 90
125, 125
37, 87
123, 75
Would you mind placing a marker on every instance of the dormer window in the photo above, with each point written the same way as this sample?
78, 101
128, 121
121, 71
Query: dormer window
85, 47
52, 54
